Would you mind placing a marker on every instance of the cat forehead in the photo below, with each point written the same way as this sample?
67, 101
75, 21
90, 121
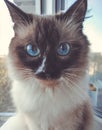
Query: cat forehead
48, 28
39, 25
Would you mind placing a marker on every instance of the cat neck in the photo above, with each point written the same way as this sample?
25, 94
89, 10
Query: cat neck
39, 103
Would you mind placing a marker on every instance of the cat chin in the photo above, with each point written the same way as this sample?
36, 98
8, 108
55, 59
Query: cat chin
36, 94
50, 83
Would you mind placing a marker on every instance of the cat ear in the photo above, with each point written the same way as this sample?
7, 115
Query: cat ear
17, 15
76, 12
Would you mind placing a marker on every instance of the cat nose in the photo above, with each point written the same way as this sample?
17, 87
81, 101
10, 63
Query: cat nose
43, 75
41, 68
41, 71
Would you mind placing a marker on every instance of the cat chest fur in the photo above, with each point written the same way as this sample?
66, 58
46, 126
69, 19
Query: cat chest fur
48, 108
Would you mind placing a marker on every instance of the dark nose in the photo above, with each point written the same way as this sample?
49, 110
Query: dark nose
47, 71
48, 75
43, 75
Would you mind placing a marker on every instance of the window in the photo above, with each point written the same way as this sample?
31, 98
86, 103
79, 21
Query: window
92, 28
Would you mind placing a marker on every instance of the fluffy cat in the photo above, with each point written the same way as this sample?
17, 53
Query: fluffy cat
47, 62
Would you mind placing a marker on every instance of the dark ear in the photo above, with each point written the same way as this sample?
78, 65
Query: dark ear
17, 15
77, 11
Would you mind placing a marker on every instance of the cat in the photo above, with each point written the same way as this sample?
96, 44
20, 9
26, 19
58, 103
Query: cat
47, 63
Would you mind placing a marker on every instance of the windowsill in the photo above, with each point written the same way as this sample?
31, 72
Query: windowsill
98, 123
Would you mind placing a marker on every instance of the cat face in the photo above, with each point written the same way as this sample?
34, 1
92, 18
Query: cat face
49, 47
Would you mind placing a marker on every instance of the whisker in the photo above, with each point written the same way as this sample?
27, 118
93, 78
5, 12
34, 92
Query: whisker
74, 69
71, 85
72, 76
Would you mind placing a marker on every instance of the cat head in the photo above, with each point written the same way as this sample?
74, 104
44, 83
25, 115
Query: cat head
48, 47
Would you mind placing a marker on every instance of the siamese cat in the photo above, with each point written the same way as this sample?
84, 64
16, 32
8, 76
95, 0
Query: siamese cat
47, 63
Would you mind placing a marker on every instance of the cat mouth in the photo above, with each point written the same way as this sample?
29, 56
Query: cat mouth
47, 79
50, 83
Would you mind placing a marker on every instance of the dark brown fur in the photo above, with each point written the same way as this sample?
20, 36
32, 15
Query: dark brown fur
48, 33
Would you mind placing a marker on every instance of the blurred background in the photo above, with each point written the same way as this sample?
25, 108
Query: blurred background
92, 28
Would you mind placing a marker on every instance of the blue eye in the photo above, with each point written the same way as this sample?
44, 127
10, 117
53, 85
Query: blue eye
63, 49
32, 51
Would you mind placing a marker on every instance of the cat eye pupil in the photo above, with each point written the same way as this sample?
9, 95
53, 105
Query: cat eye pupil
63, 49
32, 51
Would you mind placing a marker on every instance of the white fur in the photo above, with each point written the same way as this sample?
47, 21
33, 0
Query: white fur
41, 67
41, 107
